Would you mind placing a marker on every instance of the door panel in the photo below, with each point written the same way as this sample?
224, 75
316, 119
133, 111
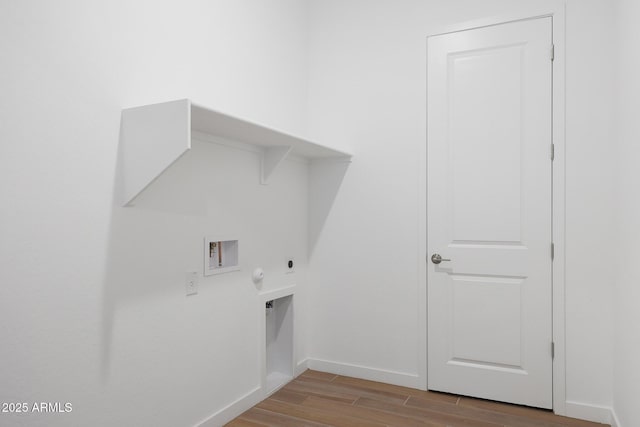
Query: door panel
486, 320
487, 209
489, 212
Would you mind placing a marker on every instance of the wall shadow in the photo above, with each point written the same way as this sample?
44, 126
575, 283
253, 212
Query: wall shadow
325, 179
154, 221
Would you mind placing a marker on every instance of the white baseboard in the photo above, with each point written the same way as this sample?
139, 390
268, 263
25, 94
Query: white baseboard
301, 367
595, 413
365, 372
234, 409
614, 419
244, 403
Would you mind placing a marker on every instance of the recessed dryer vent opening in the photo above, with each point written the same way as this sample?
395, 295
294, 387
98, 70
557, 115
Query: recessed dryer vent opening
279, 342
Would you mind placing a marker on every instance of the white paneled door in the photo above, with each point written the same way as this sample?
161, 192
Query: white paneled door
489, 212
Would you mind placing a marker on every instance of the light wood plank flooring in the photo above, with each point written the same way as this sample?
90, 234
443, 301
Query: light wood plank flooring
320, 399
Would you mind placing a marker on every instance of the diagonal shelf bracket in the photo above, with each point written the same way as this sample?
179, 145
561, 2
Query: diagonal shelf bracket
271, 159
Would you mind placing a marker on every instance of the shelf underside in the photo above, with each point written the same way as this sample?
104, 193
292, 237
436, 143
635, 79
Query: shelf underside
211, 122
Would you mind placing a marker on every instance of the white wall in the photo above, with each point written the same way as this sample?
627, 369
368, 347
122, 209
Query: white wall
368, 90
627, 248
589, 197
90, 315
92, 303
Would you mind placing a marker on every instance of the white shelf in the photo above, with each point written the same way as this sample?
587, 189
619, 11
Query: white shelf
154, 136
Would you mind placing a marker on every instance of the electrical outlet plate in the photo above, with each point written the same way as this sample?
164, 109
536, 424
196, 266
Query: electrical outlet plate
290, 265
191, 282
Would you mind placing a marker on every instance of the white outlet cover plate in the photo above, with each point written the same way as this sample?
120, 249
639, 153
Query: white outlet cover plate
191, 282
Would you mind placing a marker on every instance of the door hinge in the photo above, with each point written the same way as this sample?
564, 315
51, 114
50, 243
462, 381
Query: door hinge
553, 349
553, 151
553, 52
553, 251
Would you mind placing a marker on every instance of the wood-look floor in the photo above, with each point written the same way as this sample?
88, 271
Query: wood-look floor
321, 399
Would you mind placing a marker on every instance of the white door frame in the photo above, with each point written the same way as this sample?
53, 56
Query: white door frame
556, 10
